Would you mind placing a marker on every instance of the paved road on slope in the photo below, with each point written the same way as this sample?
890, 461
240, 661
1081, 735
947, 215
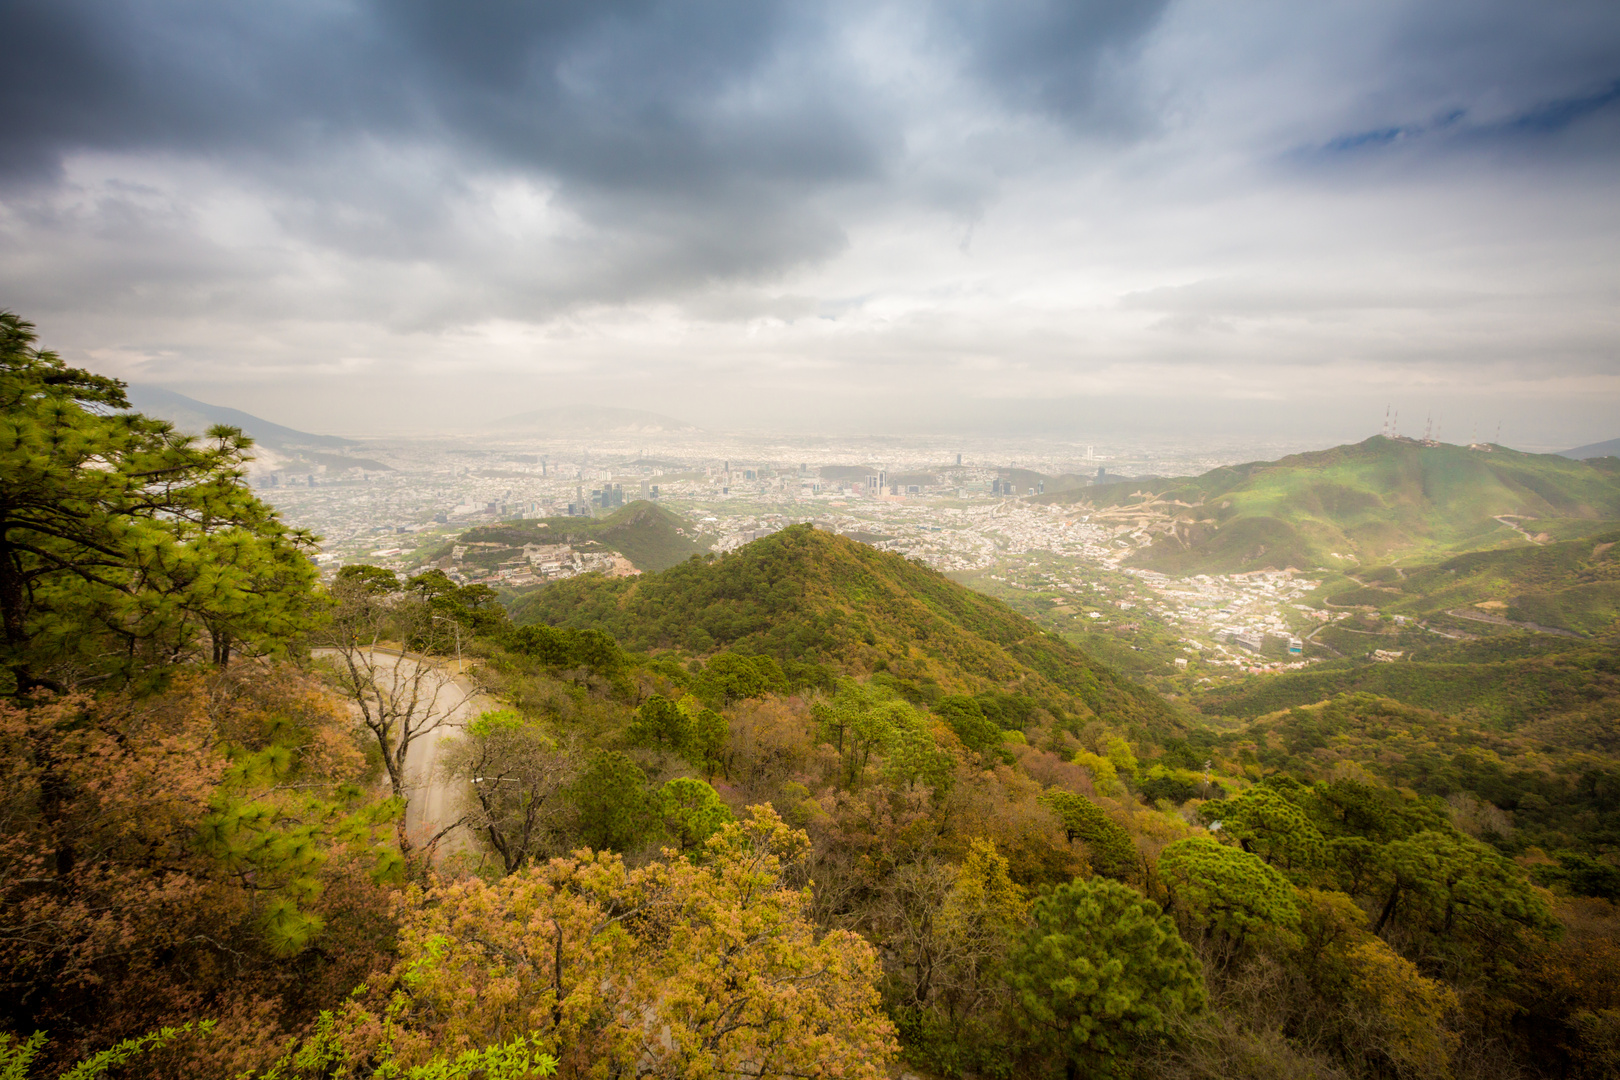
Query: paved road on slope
432, 802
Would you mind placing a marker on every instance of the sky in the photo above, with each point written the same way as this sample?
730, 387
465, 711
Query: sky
1166, 218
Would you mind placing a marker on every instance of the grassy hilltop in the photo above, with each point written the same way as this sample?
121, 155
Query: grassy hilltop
1375, 501
649, 536
807, 596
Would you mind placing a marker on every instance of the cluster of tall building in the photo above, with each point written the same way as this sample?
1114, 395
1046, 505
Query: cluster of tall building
273, 480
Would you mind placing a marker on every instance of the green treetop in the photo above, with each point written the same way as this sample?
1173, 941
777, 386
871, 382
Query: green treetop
1268, 824
1101, 972
123, 543
1228, 892
1113, 853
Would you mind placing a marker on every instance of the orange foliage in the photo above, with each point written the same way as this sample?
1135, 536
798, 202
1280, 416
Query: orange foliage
141, 881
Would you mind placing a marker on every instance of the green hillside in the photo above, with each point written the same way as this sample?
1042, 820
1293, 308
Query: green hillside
1376, 501
1571, 586
806, 596
1571, 694
649, 536
1521, 639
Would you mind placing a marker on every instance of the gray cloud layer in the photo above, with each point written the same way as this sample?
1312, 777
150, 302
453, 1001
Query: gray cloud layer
756, 206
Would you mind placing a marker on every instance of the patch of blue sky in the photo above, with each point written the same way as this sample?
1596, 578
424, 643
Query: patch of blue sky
1544, 119
1557, 115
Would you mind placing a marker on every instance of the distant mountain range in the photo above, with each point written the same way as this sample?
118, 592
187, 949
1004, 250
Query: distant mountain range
196, 417
593, 420
1375, 501
1592, 450
277, 448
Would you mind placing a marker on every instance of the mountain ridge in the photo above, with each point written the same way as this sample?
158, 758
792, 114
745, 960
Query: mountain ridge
804, 595
1375, 501
188, 413
1607, 448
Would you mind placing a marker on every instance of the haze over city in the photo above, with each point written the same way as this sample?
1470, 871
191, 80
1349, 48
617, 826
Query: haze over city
1160, 219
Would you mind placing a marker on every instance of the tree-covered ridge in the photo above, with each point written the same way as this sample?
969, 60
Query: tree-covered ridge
1536, 786
807, 596
651, 537
1373, 501
1500, 685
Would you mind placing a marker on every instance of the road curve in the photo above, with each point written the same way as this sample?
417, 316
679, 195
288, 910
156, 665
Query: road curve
433, 803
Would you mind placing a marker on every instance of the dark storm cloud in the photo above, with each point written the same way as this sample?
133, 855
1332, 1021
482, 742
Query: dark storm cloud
1060, 58
691, 139
681, 99
647, 183
1493, 75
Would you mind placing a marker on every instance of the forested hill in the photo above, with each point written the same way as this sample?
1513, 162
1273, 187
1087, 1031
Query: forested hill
1374, 501
649, 536
807, 596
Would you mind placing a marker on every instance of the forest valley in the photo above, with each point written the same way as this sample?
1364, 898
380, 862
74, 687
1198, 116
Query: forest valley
806, 810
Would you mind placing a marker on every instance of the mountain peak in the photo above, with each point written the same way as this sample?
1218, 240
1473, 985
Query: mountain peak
808, 596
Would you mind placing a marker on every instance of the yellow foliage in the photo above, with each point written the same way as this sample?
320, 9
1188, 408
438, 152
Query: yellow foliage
1104, 776
1407, 1011
1119, 752
674, 969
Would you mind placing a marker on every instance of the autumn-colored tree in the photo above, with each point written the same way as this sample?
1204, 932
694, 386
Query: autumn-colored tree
1374, 1004
768, 742
164, 855
124, 545
1004, 806
980, 919
946, 932
676, 969
861, 839
1572, 999
1100, 973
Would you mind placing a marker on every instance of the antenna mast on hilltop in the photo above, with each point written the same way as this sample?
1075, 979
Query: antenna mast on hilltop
1428, 428
1385, 432
1395, 425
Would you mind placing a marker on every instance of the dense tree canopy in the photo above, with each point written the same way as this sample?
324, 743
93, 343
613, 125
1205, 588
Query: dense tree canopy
1101, 972
677, 969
